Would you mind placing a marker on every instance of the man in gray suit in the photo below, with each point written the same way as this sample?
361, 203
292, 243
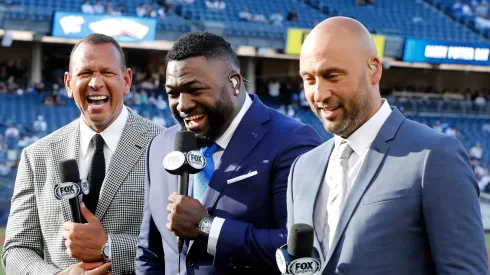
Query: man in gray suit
108, 142
386, 195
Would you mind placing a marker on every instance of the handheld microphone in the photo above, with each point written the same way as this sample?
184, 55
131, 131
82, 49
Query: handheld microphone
70, 187
298, 256
184, 160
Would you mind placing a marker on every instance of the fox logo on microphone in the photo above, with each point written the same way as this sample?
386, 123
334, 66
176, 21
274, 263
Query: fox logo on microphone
196, 160
304, 266
299, 256
66, 190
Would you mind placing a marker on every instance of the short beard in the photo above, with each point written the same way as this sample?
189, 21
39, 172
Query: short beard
217, 117
360, 108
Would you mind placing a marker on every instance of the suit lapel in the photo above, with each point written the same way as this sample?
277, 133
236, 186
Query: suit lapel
248, 133
308, 194
372, 163
66, 148
128, 151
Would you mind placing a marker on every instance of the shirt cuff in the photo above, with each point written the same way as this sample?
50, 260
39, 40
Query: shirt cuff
214, 235
110, 248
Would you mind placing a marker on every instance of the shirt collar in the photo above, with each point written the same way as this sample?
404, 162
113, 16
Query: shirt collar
112, 134
225, 138
362, 138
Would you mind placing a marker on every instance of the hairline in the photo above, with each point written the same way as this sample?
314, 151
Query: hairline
116, 46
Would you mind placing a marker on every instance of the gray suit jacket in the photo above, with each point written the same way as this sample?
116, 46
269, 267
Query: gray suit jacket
35, 224
413, 208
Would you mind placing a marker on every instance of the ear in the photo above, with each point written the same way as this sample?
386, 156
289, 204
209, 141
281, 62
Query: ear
128, 79
236, 81
67, 81
375, 70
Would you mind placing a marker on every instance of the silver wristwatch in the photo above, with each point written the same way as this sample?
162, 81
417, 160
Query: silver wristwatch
205, 226
105, 252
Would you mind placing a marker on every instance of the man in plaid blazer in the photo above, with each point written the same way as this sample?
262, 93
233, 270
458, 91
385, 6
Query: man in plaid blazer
41, 237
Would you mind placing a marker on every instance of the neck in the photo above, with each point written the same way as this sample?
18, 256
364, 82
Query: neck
239, 105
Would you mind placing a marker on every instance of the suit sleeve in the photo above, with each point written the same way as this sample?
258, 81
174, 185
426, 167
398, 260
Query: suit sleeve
450, 200
290, 196
149, 252
242, 240
23, 251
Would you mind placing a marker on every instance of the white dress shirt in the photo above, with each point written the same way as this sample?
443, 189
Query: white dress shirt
223, 142
359, 141
111, 135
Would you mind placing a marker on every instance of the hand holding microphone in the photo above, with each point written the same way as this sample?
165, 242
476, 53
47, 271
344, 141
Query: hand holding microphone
298, 256
83, 240
184, 212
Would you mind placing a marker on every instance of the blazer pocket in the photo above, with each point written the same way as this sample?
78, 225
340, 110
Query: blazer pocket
386, 196
242, 177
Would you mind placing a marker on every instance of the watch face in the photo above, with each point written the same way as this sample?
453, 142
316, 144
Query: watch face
206, 225
106, 250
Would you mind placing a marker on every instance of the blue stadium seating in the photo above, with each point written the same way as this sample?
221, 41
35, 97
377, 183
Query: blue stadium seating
23, 111
471, 128
407, 18
468, 20
42, 10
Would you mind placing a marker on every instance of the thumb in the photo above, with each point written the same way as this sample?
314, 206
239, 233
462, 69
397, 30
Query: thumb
89, 217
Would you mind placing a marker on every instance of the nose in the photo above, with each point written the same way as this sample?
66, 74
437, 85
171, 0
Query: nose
96, 82
321, 91
185, 103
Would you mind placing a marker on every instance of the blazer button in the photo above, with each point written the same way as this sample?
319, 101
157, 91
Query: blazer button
190, 263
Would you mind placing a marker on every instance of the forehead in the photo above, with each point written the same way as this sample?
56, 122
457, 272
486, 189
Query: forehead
88, 55
194, 67
319, 55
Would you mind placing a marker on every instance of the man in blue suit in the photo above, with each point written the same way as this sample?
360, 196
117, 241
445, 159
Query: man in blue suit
235, 214
386, 195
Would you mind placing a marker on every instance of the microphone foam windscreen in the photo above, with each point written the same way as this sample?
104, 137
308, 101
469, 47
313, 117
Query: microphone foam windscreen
69, 171
185, 141
300, 242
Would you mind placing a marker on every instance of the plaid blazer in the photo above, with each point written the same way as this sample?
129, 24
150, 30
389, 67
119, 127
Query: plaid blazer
34, 242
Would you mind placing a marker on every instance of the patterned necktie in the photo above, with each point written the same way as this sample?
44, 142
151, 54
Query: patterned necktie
96, 175
202, 179
336, 198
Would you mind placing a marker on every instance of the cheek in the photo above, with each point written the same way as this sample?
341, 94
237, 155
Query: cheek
309, 93
172, 103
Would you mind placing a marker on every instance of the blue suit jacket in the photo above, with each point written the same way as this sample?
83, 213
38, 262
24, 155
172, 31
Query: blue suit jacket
413, 208
254, 208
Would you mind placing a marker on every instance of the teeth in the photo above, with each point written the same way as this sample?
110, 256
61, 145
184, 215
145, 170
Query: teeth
332, 109
101, 97
194, 117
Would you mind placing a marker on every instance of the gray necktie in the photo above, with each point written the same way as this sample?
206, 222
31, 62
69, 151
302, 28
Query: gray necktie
336, 197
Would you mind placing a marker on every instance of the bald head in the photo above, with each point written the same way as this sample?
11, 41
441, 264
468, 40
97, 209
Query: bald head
340, 33
341, 73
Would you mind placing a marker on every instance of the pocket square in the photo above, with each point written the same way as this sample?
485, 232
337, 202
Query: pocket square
242, 177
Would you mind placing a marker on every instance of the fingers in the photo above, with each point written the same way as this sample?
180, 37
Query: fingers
68, 226
90, 266
173, 197
169, 223
102, 270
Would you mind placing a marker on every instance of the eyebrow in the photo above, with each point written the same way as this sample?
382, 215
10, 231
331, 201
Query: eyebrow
102, 68
327, 71
187, 83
